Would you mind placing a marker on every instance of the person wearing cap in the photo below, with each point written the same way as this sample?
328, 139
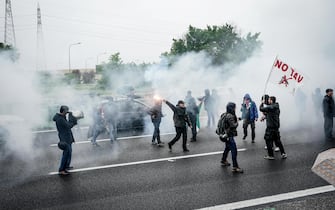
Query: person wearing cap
65, 137
249, 116
328, 114
180, 119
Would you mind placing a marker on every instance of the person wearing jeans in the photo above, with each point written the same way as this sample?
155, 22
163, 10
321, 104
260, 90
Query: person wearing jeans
156, 117
230, 130
65, 137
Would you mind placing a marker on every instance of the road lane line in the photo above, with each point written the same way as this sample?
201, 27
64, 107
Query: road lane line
120, 138
146, 161
273, 198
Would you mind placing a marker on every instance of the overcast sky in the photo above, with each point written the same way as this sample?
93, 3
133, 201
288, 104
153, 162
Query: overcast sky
298, 30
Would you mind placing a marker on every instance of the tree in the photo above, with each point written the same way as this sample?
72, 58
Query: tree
222, 43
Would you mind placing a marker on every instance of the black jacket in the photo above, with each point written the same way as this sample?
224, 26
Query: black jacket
272, 113
328, 106
180, 116
64, 127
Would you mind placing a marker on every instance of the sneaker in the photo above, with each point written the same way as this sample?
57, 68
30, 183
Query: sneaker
237, 170
153, 143
160, 144
170, 147
277, 149
225, 163
69, 168
244, 137
186, 150
252, 141
283, 156
63, 173
265, 147
95, 144
269, 157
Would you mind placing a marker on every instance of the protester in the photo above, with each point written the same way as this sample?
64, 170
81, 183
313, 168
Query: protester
209, 107
110, 117
231, 132
192, 111
272, 134
156, 115
317, 101
249, 116
98, 124
65, 137
328, 114
180, 119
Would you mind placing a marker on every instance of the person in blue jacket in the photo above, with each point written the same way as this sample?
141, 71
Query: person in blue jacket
249, 116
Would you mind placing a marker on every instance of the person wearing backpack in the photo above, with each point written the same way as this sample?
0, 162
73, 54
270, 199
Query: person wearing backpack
226, 129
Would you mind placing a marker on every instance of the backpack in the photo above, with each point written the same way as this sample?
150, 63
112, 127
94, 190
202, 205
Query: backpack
223, 126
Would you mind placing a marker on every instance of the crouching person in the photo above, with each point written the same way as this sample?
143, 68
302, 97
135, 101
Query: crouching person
227, 126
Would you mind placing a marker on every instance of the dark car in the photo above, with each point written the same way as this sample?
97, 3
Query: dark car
130, 114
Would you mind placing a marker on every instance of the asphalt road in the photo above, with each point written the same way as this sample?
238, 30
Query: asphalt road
181, 183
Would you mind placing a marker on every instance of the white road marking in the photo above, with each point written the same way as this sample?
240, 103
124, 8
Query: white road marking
120, 138
170, 159
273, 198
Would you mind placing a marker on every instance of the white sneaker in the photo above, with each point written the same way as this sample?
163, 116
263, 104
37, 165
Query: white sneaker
265, 147
277, 149
283, 156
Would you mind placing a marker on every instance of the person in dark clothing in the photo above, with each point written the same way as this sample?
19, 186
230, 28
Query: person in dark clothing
272, 134
192, 111
231, 131
249, 116
156, 115
180, 119
65, 137
328, 113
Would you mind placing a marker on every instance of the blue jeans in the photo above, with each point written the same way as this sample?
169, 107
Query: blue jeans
156, 134
66, 158
210, 118
230, 146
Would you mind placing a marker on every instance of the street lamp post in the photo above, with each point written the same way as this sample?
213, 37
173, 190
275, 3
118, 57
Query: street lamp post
70, 54
100, 55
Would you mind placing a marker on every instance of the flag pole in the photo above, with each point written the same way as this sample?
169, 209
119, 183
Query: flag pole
267, 81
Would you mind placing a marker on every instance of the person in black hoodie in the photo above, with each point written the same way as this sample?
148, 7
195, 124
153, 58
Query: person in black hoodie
192, 110
180, 118
328, 113
272, 134
231, 131
65, 137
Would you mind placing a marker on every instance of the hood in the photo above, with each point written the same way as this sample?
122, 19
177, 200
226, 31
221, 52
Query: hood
231, 107
57, 116
247, 96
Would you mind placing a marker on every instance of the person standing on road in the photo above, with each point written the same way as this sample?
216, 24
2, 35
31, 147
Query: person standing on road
180, 118
328, 114
232, 123
249, 116
192, 111
156, 115
98, 126
65, 137
272, 134
209, 107
110, 117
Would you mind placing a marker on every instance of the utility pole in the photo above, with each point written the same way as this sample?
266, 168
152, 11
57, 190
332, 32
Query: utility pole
9, 26
70, 54
40, 51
